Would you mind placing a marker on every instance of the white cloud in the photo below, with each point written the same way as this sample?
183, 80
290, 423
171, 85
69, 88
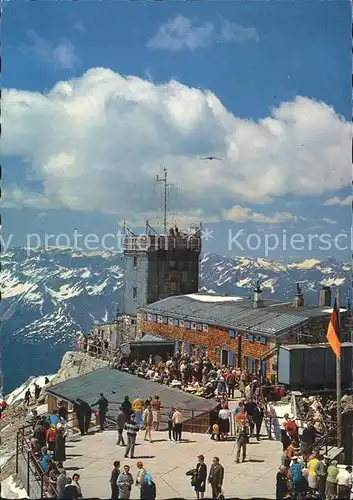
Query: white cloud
338, 201
182, 33
243, 214
80, 28
329, 221
61, 55
97, 143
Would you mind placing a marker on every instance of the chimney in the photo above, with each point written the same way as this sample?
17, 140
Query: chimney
258, 297
299, 298
325, 297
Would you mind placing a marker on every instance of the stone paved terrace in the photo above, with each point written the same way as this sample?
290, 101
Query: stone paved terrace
93, 456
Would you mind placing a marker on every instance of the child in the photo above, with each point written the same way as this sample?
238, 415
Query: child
215, 432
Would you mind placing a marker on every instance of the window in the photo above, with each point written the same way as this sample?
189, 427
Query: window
261, 340
250, 338
187, 324
135, 260
231, 334
199, 327
170, 321
149, 317
165, 320
134, 292
205, 328
154, 317
159, 319
193, 325
182, 323
176, 322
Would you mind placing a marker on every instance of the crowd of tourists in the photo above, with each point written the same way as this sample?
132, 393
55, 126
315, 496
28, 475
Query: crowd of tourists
304, 471
48, 445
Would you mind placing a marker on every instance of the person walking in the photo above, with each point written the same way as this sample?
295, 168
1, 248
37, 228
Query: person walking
231, 380
331, 480
121, 420
258, 416
80, 415
126, 406
296, 475
61, 482
147, 421
137, 409
125, 482
200, 477
156, 412
242, 441
141, 471
102, 404
114, 480
215, 478
178, 425
171, 433
60, 453
344, 482
312, 478
321, 471
132, 429
148, 488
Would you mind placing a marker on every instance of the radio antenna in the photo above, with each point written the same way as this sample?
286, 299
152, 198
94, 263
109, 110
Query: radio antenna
164, 179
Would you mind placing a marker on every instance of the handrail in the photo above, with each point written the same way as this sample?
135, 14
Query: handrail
24, 448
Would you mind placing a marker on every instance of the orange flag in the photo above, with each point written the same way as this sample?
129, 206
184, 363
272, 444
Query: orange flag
333, 334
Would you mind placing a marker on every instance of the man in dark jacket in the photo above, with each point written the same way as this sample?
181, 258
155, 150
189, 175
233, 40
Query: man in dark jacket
87, 415
258, 416
121, 420
126, 406
80, 415
250, 409
307, 439
242, 441
114, 480
215, 478
102, 404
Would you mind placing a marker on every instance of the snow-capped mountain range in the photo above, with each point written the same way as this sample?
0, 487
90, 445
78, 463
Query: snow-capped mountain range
49, 296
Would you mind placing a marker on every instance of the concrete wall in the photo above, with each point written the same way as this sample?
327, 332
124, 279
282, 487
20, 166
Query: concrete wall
29, 482
135, 277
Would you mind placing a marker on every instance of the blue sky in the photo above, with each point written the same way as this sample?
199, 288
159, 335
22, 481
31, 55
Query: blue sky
263, 86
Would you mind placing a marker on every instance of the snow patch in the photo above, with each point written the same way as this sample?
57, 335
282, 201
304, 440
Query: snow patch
305, 264
332, 281
213, 298
243, 282
11, 488
19, 394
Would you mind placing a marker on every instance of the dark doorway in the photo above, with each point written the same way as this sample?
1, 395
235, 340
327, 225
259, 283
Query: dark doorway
224, 357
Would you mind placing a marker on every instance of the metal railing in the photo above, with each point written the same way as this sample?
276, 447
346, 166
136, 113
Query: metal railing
34, 468
325, 438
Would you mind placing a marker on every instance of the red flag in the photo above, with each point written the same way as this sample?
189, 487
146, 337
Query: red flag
333, 333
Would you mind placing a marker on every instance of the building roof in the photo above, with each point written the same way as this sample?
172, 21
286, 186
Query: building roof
301, 347
217, 310
148, 338
116, 384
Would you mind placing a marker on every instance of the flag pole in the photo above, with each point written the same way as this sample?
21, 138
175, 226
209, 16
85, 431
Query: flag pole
338, 378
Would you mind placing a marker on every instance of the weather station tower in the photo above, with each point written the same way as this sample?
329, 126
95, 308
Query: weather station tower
159, 265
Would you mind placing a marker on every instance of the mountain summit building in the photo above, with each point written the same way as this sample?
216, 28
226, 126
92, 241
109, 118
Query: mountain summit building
156, 266
237, 332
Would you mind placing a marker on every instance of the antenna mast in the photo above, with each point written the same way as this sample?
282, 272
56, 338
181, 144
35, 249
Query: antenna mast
165, 201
